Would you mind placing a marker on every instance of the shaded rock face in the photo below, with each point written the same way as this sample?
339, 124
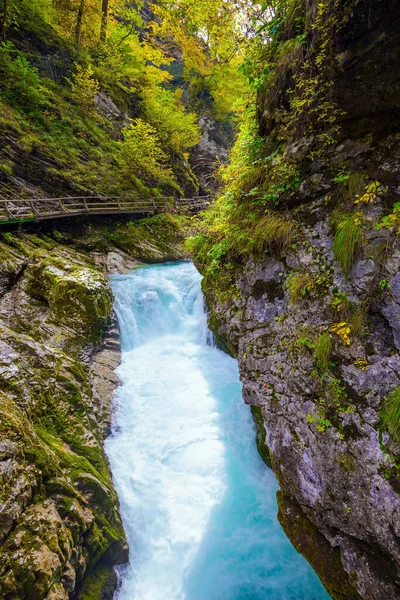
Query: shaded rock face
322, 429
368, 55
337, 465
59, 516
211, 151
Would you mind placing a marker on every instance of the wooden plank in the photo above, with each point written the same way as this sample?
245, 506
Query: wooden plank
71, 206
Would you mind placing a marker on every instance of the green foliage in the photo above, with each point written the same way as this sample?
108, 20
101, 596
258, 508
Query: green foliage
320, 420
141, 153
348, 240
20, 82
61, 119
85, 88
384, 284
390, 414
230, 233
350, 185
178, 129
340, 303
300, 285
323, 350
391, 221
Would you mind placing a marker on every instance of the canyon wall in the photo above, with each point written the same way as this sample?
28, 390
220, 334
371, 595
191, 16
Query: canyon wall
314, 319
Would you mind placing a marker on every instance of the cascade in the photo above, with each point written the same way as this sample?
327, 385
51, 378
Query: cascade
198, 503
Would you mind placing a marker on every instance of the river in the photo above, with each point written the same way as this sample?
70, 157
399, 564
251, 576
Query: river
198, 503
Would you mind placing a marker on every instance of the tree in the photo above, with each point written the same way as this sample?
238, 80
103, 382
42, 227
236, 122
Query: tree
104, 19
79, 21
3, 19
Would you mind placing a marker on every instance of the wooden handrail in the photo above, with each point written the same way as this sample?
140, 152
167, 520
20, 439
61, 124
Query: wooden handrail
35, 209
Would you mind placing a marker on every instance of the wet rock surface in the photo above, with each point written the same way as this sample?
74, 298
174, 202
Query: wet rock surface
54, 529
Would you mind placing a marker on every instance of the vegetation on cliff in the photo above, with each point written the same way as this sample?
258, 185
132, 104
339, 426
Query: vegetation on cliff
106, 96
301, 261
299, 254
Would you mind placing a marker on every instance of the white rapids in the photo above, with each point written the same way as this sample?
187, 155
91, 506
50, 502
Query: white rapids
197, 502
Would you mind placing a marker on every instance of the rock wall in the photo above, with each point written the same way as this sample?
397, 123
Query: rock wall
60, 528
211, 152
317, 337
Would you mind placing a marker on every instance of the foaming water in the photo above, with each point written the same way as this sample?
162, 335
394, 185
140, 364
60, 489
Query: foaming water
197, 502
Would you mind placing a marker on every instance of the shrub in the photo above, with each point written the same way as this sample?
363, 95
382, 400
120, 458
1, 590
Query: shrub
141, 153
390, 414
20, 82
348, 240
85, 88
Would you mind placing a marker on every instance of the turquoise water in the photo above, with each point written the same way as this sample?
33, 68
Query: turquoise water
198, 504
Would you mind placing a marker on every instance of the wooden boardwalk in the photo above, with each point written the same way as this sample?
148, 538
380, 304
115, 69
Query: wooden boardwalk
23, 210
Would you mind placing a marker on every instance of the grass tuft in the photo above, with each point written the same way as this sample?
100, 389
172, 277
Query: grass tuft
390, 414
323, 350
348, 240
273, 230
300, 284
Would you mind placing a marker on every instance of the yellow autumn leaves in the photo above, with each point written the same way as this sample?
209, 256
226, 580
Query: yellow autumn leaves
343, 331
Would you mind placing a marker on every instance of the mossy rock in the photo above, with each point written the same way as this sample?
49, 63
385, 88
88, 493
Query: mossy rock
78, 296
308, 540
100, 584
262, 447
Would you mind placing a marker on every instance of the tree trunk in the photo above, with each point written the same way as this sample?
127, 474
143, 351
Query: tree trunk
3, 20
79, 19
104, 19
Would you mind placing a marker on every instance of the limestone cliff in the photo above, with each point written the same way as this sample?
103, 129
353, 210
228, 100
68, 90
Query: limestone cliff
314, 315
60, 529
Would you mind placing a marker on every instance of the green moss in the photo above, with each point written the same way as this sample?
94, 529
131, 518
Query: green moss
99, 584
262, 447
46, 408
307, 540
67, 459
74, 293
153, 239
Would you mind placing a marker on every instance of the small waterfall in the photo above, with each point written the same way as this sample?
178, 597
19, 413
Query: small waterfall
198, 503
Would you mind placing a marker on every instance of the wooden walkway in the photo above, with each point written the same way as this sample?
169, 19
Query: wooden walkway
23, 210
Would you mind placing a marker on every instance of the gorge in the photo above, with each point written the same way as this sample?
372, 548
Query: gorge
131, 442
198, 505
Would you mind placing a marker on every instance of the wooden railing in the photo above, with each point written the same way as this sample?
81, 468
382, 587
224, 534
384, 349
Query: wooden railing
19, 210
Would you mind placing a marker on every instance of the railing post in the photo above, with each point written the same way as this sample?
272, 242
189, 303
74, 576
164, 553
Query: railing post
62, 207
86, 205
33, 207
119, 204
8, 213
